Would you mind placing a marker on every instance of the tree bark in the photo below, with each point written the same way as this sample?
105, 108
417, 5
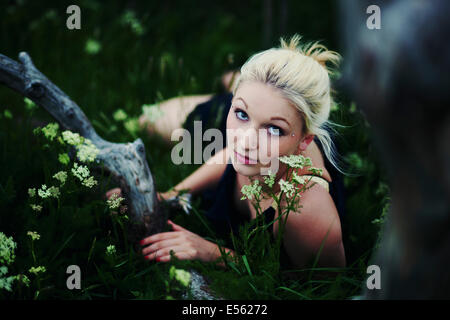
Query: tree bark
125, 161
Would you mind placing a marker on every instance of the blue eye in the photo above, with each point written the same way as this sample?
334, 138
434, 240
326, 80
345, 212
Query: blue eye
241, 115
275, 131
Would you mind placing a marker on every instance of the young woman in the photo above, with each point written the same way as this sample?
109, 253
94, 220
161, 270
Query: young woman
286, 93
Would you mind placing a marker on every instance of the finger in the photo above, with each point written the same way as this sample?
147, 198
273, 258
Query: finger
159, 237
160, 245
175, 226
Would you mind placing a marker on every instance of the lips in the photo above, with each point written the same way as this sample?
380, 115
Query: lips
244, 159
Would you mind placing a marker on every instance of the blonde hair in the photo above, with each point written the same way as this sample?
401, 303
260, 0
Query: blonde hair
300, 72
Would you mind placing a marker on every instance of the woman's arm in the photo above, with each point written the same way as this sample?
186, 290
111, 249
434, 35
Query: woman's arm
207, 176
316, 225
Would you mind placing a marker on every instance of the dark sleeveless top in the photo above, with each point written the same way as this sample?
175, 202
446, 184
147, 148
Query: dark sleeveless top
218, 202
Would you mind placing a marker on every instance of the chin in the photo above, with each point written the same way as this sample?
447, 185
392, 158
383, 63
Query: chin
246, 170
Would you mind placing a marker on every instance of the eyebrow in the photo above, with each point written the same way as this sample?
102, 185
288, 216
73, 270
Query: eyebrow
273, 118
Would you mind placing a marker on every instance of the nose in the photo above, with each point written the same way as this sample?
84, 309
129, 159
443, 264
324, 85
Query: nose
248, 140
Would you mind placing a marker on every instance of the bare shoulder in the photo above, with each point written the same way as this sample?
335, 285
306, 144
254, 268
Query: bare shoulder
315, 225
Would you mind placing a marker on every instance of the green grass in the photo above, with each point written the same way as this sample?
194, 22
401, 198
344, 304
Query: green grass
154, 54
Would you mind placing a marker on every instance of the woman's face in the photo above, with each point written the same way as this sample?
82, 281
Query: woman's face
261, 126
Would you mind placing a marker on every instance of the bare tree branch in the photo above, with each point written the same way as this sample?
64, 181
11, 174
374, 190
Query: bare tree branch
125, 161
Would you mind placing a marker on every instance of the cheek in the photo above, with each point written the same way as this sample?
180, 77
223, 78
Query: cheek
273, 148
231, 120
231, 126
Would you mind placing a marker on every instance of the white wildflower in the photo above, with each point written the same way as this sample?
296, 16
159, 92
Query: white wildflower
72, 138
316, 171
81, 172
298, 179
89, 182
43, 192
114, 201
249, 191
61, 176
287, 187
270, 179
87, 151
296, 161
54, 191
34, 235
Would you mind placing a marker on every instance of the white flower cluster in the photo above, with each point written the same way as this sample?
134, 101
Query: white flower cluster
34, 235
86, 150
269, 180
83, 174
72, 138
251, 190
316, 171
296, 161
298, 179
114, 201
61, 176
152, 112
287, 187
45, 192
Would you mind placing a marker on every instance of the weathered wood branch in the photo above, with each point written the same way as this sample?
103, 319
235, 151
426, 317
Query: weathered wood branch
125, 161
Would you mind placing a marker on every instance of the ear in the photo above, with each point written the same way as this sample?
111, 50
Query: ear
304, 143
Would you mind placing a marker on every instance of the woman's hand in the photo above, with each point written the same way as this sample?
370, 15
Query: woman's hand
166, 195
161, 195
185, 245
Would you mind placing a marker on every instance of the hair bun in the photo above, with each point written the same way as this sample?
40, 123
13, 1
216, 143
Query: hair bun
314, 50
